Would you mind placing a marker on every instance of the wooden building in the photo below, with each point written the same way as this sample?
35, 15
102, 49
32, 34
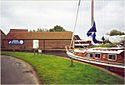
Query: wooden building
2, 36
21, 39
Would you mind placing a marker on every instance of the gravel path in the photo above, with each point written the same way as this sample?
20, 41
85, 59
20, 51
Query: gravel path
16, 71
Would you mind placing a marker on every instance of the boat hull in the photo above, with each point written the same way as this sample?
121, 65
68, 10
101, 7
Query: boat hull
118, 69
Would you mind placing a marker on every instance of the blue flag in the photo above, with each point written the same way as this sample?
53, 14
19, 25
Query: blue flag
92, 29
92, 33
94, 38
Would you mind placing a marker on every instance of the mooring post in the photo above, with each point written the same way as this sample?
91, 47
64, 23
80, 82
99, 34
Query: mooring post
71, 64
34, 51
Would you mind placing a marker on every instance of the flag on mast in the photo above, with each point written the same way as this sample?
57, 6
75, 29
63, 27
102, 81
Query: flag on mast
94, 38
92, 29
92, 32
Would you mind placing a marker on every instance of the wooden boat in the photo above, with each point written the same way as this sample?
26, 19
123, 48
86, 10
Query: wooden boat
109, 58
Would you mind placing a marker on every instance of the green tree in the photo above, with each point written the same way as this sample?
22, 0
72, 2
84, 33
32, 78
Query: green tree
57, 28
115, 32
42, 30
30, 30
33, 31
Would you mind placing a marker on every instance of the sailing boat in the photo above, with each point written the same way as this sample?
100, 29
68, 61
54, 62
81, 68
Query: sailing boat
109, 58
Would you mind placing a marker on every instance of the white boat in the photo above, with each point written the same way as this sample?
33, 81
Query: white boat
108, 58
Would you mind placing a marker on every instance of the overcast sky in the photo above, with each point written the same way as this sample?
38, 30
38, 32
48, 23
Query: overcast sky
109, 14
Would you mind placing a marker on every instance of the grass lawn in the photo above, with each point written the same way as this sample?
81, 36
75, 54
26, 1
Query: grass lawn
56, 70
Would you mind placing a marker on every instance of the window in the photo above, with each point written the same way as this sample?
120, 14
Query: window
111, 57
89, 55
97, 55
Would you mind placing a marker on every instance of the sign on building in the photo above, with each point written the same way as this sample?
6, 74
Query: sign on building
16, 42
35, 44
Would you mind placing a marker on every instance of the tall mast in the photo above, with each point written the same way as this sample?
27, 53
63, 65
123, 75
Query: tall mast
92, 11
72, 40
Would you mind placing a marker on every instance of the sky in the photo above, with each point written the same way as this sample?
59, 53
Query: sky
108, 15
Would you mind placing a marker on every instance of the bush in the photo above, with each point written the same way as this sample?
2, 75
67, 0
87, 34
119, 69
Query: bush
104, 45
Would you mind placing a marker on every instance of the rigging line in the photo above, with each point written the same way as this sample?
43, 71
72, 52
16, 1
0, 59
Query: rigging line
76, 18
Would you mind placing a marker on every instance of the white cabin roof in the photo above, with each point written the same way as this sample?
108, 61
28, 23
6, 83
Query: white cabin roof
105, 51
99, 51
82, 40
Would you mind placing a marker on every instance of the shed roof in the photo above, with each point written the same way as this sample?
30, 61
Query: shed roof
18, 30
39, 35
77, 37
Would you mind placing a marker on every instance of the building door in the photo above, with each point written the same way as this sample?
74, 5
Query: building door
35, 44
